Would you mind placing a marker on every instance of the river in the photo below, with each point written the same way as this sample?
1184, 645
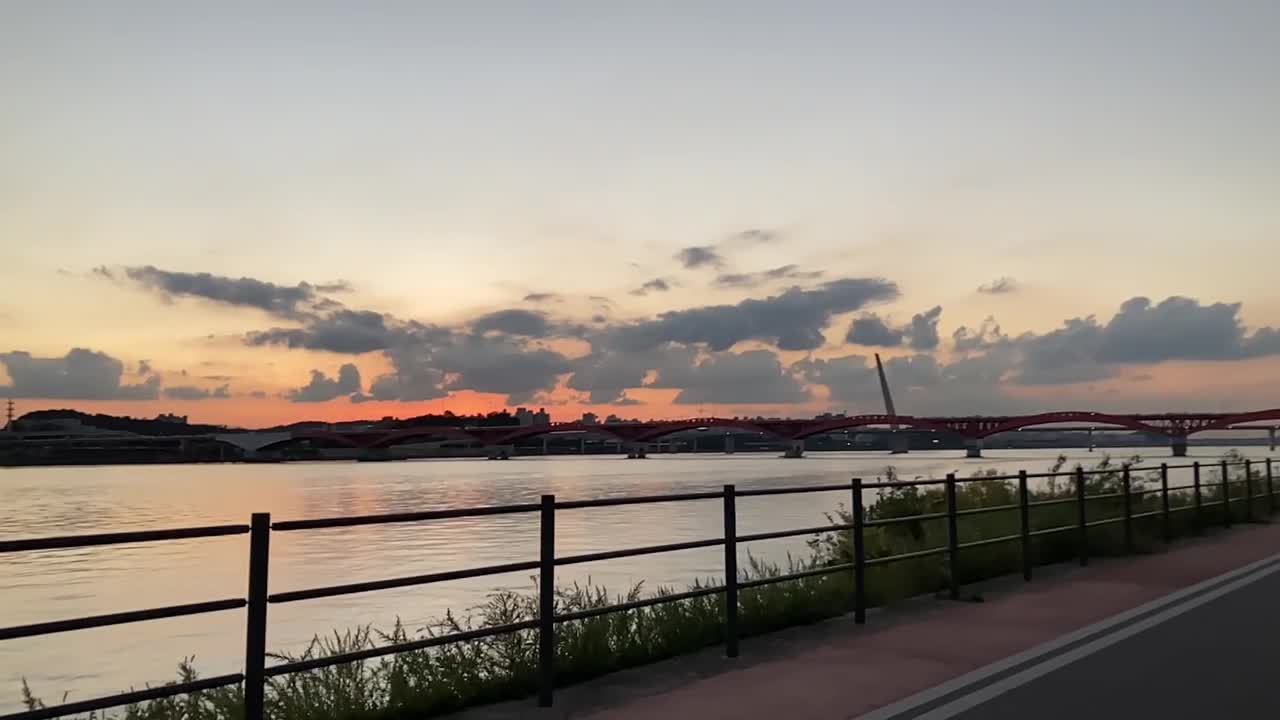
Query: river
52, 585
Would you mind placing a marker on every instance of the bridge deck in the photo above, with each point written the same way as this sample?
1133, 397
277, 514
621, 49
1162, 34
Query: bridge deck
837, 670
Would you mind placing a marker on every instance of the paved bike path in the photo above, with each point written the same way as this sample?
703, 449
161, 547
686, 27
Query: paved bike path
843, 671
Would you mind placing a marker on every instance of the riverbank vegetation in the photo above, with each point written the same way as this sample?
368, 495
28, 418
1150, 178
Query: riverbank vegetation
439, 680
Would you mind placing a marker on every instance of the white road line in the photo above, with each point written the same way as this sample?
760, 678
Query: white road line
1235, 579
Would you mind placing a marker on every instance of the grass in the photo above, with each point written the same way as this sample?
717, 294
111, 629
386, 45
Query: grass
431, 682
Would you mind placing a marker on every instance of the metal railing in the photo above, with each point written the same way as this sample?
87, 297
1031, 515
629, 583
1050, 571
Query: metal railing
256, 672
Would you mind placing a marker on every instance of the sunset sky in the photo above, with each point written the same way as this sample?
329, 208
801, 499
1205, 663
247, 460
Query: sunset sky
254, 215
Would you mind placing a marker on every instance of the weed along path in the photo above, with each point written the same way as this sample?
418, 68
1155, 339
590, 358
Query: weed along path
935, 658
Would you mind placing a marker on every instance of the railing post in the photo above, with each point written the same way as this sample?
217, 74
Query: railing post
1024, 524
1248, 491
547, 602
859, 554
730, 572
1164, 503
953, 538
1128, 511
1199, 497
1271, 491
1082, 528
1226, 497
255, 646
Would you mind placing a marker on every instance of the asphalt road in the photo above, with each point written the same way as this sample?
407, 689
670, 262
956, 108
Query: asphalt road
1218, 660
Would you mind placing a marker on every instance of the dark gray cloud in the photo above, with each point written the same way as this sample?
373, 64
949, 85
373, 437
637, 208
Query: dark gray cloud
999, 286
1065, 355
1141, 332
923, 330
427, 365
870, 330
921, 385
755, 377
1178, 328
654, 285
514, 322
323, 388
144, 367
792, 320
755, 279
337, 286
81, 374
542, 297
499, 365
258, 394
1265, 341
756, 236
191, 392
287, 301
987, 335
606, 374
349, 332
700, 256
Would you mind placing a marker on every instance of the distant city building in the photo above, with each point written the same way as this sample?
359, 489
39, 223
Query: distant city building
525, 416
171, 418
590, 418
612, 419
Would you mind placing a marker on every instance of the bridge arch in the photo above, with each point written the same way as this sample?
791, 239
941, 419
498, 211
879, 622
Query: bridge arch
1052, 418
675, 426
337, 439
422, 434
857, 421
1229, 420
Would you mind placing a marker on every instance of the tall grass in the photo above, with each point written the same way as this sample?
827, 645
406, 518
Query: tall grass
429, 682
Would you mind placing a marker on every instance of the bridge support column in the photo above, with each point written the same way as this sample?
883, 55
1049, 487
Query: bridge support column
1179, 446
500, 452
1091, 440
973, 447
636, 451
582, 445
795, 449
546, 441
899, 444
1271, 435
728, 444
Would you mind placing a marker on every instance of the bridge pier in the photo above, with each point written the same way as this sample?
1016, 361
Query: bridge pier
973, 447
1179, 445
795, 449
546, 440
1091, 446
636, 451
899, 444
728, 444
500, 452
1271, 435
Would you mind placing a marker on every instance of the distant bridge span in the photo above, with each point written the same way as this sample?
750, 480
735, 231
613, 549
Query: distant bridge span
1176, 426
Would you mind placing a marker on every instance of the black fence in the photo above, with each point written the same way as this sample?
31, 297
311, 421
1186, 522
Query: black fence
260, 528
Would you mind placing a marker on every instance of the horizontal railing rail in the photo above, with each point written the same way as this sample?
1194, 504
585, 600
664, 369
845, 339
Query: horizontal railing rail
1206, 493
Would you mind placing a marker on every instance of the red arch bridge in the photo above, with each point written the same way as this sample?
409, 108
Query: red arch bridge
637, 436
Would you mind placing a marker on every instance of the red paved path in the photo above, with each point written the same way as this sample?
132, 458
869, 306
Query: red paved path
856, 672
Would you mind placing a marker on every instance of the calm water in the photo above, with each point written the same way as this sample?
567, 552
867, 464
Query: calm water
61, 584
